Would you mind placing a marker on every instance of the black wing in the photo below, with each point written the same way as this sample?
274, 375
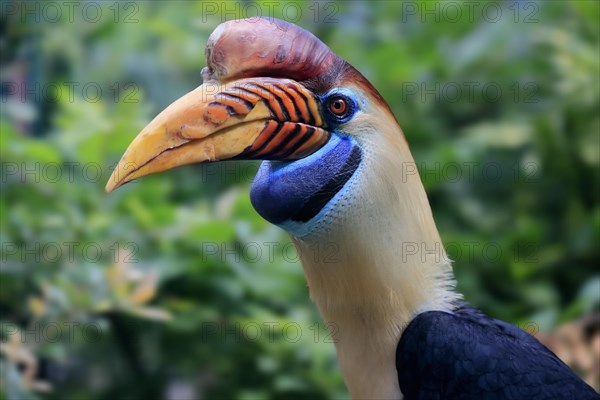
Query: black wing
467, 355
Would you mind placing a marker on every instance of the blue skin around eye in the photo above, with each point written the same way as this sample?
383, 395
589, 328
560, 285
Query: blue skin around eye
281, 189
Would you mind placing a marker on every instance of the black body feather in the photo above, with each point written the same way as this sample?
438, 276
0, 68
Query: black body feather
467, 355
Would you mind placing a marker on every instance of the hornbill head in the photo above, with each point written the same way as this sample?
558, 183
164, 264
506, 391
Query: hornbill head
271, 91
338, 176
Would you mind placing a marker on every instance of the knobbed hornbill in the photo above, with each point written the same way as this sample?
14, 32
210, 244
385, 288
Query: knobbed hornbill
335, 172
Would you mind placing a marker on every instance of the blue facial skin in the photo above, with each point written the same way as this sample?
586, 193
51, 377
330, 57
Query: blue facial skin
292, 194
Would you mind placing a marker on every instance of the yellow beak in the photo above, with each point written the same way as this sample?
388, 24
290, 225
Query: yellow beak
257, 118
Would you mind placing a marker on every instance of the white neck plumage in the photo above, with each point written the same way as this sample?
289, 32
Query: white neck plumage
376, 263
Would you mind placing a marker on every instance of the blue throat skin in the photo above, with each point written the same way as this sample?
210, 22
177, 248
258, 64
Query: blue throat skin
291, 194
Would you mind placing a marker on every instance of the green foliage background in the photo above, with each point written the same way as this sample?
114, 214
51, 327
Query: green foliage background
174, 304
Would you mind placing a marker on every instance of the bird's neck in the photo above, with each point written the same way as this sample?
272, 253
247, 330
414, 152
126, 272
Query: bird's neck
379, 262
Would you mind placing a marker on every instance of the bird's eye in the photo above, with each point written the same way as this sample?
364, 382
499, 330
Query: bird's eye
340, 107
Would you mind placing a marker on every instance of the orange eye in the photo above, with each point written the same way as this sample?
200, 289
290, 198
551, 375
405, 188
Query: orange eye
338, 106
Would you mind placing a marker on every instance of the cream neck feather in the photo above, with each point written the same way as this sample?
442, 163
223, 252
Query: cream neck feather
376, 260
